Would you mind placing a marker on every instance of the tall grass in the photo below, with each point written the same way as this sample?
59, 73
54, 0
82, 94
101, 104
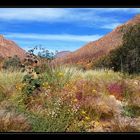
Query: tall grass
71, 73
59, 76
71, 100
8, 79
74, 72
103, 76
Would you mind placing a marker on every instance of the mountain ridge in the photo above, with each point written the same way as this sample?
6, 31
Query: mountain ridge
96, 49
9, 48
62, 54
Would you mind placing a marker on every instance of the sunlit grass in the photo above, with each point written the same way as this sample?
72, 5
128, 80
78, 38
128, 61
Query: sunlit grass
8, 79
70, 100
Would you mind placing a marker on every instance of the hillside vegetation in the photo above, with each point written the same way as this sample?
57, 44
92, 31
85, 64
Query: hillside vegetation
125, 58
69, 100
91, 52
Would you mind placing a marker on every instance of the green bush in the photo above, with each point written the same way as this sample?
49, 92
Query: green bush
31, 84
125, 58
12, 63
132, 111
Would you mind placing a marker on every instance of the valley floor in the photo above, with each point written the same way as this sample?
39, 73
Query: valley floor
70, 100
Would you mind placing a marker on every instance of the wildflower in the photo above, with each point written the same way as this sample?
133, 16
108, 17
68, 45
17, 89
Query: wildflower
20, 86
46, 85
74, 88
75, 100
87, 118
94, 90
112, 97
83, 112
119, 102
92, 122
19, 101
136, 82
60, 74
96, 124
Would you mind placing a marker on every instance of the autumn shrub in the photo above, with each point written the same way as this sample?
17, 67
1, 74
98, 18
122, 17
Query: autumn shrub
86, 95
125, 124
132, 90
116, 89
13, 122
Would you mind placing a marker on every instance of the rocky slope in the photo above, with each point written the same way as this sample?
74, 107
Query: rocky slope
96, 49
9, 48
62, 54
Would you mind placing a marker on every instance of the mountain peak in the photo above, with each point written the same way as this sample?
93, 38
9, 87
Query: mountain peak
134, 20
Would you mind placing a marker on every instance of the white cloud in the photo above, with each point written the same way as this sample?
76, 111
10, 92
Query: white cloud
61, 14
111, 26
90, 17
32, 14
106, 10
75, 15
58, 37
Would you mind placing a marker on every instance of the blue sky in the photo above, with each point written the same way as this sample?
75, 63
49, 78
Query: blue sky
60, 28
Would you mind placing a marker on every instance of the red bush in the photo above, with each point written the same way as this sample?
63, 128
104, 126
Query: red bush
116, 89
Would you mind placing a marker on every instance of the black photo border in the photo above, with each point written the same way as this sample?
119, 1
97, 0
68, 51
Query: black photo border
69, 4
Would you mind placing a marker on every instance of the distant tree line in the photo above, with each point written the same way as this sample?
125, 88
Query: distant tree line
125, 58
